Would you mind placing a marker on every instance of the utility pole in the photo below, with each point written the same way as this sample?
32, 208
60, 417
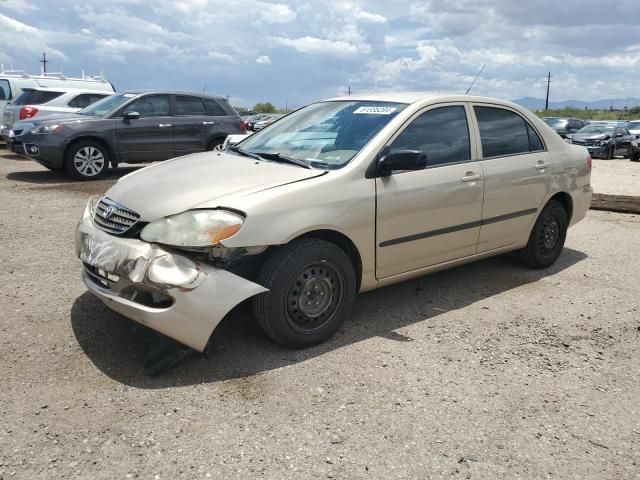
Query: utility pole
286, 107
349, 92
546, 104
44, 62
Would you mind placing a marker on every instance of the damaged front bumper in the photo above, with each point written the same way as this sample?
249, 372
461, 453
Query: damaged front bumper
167, 291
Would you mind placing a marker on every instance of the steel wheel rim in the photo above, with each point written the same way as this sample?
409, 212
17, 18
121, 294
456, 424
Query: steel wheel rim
550, 235
89, 161
218, 147
314, 297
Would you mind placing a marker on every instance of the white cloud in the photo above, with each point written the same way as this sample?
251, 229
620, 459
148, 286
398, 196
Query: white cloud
319, 46
19, 6
355, 11
263, 60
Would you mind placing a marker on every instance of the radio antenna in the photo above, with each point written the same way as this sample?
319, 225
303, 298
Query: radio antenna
474, 80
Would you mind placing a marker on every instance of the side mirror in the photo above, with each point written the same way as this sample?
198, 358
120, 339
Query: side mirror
131, 115
402, 160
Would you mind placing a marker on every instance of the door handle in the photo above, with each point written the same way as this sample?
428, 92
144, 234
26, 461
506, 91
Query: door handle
165, 125
208, 123
542, 166
471, 177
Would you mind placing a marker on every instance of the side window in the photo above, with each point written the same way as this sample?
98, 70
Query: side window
213, 109
150, 106
84, 100
441, 133
502, 132
189, 106
5, 90
535, 144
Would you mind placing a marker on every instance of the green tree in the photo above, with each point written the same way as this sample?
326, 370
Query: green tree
264, 108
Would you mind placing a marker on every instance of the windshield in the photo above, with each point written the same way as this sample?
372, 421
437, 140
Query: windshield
325, 135
596, 129
633, 126
106, 105
555, 122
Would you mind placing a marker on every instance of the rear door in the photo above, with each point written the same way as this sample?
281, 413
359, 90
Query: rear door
189, 125
433, 215
150, 137
517, 172
222, 119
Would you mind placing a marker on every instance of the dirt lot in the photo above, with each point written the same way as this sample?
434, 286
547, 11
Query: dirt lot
616, 177
487, 371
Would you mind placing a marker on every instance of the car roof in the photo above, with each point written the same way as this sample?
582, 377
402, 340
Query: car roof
422, 97
68, 90
174, 92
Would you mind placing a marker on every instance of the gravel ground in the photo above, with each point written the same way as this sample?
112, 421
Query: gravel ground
489, 370
616, 177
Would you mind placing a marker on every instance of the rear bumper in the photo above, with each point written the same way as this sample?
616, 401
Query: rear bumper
581, 203
167, 291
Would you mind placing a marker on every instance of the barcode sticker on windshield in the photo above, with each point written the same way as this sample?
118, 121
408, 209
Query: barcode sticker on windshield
376, 110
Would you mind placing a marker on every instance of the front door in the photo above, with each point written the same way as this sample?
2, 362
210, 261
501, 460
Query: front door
517, 171
150, 137
430, 216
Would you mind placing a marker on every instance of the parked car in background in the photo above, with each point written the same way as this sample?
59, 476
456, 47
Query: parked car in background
409, 184
130, 127
634, 154
565, 126
260, 124
37, 103
604, 141
634, 127
233, 140
13, 82
251, 120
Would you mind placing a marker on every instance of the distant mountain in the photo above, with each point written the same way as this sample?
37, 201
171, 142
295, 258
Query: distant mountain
538, 103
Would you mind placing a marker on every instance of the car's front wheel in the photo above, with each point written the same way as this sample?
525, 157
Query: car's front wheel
547, 237
312, 286
634, 156
86, 160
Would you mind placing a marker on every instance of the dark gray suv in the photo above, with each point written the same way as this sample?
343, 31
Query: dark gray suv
130, 127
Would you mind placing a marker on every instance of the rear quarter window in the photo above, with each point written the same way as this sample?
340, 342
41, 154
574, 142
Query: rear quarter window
36, 97
214, 109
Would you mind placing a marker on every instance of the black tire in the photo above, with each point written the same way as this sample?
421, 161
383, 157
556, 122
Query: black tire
610, 153
215, 144
297, 314
547, 237
634, 156
86, 160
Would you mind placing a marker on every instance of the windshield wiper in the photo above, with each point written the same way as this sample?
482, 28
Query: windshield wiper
237, 149
280, 158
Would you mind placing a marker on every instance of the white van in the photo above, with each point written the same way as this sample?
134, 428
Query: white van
13, 82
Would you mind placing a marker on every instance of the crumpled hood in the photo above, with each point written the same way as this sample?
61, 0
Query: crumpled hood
199, 180
589, 136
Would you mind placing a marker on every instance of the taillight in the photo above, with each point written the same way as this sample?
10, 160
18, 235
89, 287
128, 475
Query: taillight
589, 162
243, 125
27, 112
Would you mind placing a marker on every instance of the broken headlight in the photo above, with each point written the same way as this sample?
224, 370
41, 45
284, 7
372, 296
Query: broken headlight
195, 228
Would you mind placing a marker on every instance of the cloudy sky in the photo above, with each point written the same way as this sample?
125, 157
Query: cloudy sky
304, 50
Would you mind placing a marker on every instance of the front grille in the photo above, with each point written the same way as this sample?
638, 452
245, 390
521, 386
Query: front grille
113, 217
101, 277
585, 142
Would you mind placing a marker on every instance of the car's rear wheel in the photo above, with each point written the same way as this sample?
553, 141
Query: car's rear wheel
547, 237
634, 156
312, 286
86, 160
